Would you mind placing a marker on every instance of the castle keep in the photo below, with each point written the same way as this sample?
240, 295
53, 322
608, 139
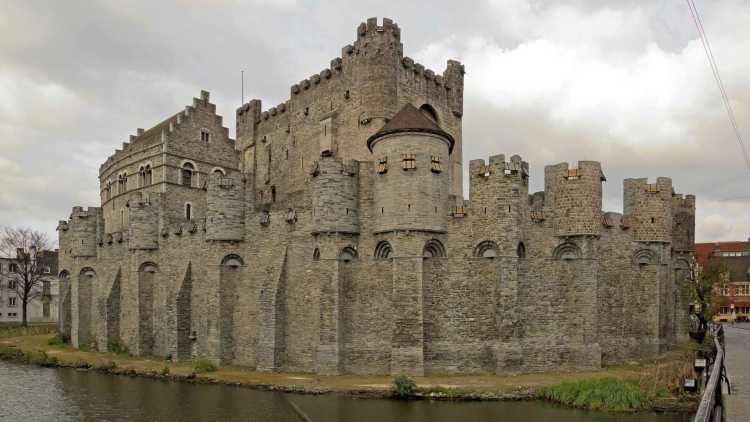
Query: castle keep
332, 236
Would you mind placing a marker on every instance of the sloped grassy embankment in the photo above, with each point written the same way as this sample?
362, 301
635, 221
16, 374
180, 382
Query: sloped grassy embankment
636, 386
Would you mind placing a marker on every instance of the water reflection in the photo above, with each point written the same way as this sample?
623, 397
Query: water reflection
29, 393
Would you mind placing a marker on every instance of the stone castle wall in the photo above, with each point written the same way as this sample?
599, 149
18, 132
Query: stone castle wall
307, 252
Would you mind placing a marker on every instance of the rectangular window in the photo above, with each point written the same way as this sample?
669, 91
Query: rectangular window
383, 165
408, 161
12, 284
724, 310
724, 290
435, 160
743, 290
45, 309
205, 135
11, 302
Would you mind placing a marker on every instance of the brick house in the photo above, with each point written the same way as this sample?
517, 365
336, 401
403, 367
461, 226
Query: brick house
734, 289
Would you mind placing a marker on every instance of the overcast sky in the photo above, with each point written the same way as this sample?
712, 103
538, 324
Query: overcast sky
623, 82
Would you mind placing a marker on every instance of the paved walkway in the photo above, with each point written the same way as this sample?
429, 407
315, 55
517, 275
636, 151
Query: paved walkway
737, 340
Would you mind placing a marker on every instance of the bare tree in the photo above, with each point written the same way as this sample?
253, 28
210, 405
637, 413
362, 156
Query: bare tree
27, 276
701, 284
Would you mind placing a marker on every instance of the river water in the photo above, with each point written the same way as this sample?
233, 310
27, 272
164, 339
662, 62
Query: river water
30, 393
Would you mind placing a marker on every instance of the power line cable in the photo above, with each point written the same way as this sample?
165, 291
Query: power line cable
717, 77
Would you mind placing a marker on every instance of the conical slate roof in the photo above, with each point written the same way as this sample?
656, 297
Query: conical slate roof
409, 119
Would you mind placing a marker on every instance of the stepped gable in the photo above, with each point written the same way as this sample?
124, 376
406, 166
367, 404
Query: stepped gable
410, 119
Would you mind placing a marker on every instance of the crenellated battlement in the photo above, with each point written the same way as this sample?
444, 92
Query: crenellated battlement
498, 167
648, 206
370, 29
574, 197
79, 235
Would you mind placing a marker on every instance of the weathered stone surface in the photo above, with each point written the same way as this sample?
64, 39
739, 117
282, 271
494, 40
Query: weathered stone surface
305, 250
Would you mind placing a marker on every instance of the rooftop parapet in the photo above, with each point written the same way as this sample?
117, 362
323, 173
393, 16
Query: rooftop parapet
499, 167
574, 196
649, 208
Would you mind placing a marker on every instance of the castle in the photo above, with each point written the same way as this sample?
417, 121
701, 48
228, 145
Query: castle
332, 236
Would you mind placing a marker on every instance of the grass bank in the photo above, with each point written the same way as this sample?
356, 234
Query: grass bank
17, 330
610, 394
47, 350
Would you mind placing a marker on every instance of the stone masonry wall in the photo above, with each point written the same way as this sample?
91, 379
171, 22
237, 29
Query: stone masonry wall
301, 255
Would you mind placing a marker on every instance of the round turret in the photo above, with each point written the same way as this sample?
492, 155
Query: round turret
411, 155
335, 197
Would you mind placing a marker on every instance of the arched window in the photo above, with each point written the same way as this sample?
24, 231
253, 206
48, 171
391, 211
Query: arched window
644, 257
567, 251
148, 267
142, 176
486, 249
88, 272
148, 176
273, 193
205, 135
122, 183
187, 174
109, 190
316, 254
433, 249
521, 250
233, 261
218, 171
383, 250
347, 254
429, 112
188, 211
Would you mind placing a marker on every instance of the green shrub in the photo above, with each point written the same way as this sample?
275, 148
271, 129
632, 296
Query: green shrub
116, 347
603, 394
202, 365
57, 340
403, 386
39, 358
10, 353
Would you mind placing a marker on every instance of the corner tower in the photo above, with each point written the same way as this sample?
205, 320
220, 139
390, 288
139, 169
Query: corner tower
411, 153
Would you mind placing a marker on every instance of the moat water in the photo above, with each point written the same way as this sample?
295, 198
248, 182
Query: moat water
30, 393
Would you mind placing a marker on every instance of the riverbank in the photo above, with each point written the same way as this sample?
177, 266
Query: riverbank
658, 374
